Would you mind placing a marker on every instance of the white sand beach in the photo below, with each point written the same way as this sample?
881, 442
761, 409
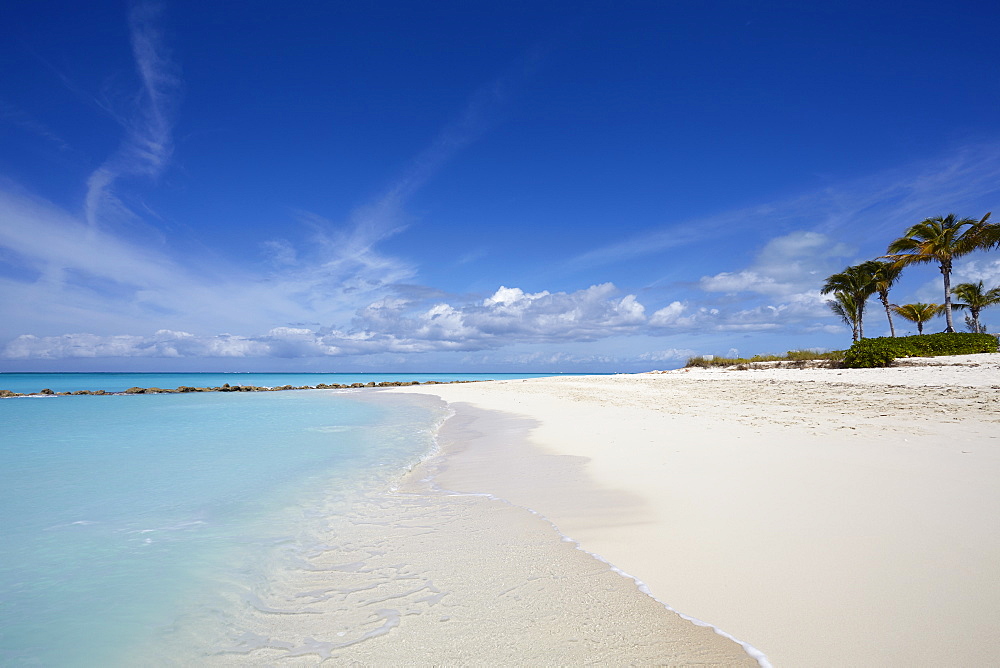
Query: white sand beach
825, 517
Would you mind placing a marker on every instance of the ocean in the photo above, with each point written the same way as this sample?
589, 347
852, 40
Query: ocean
139, 528
25, 383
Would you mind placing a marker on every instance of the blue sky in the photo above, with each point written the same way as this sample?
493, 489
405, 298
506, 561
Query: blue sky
449, 186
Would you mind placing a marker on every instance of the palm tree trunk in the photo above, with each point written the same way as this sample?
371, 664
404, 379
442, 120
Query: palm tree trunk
888, 314
946, 273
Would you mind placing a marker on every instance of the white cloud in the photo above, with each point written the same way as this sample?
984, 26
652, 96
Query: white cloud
668, 315
785, 265
977, 269
21, 119
148, 145
792, 311
668, 355
510, 314
387, 325
164, 343
873, 209
60, 270
742, 281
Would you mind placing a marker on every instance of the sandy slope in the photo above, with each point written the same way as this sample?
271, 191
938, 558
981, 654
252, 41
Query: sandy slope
827, 517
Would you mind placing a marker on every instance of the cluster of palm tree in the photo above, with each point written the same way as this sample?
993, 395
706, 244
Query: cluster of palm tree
940, 240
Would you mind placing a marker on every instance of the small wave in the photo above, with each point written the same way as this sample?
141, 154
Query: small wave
78, 523
332, 429
180, 526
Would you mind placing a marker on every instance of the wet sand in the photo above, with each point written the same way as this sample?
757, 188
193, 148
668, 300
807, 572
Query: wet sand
825, 517
421, 576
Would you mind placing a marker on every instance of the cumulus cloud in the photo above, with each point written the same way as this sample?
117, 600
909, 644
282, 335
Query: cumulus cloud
977, 269
668, 355
164, 343
797, 310
742, 281
794, 310
506, 316
788, 272
387, 325
785, 265
670, 315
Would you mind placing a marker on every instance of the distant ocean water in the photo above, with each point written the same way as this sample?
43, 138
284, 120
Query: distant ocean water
119, 382
123, 515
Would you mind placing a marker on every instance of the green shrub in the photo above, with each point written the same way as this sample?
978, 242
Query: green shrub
868, 353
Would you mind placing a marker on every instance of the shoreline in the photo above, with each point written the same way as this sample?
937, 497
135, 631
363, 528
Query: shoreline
454, 468
825, 517
413, 574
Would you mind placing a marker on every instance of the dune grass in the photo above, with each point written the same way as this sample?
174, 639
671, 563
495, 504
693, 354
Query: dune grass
790, 356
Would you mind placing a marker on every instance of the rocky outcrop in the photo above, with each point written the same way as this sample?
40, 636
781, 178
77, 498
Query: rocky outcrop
184, 389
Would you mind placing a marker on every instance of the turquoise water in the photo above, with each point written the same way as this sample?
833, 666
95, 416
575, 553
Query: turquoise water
120, 513
119, 382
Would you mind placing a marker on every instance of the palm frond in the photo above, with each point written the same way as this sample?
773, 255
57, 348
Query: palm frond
918, 312
974, 295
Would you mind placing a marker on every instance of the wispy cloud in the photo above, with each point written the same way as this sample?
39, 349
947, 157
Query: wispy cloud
341, 294
68, 270
59, 270
873, 208
148, 144
385, 215
683, 233
19, 118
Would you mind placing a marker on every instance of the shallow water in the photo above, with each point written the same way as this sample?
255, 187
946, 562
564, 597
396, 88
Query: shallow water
122, 512
250, 529
419, 576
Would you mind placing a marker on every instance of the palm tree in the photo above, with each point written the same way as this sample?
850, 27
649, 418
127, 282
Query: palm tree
918, 313
844, 305
857, 283
987, 234
885, 274
941, 240
975, 299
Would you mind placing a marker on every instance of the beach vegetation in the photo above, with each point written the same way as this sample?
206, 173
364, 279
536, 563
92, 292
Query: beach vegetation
881, 351
851, 289
791, 356
973, 326
918, 313
975, 298
847, 308
884, 276
940, 240
987, 234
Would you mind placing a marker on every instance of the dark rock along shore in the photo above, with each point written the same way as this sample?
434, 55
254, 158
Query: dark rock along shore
231, 388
